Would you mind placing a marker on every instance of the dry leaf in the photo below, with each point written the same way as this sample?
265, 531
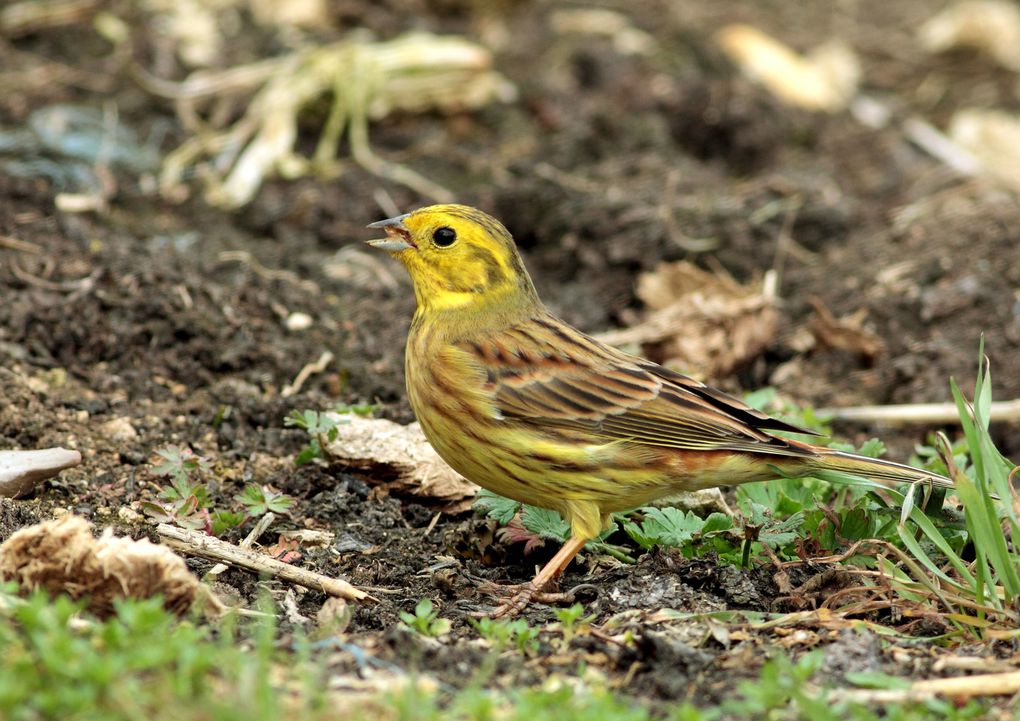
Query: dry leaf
61, 556
824, 79
399, 455
702, 502
846, 333
708, 323
992, 26
992, 137
626, 39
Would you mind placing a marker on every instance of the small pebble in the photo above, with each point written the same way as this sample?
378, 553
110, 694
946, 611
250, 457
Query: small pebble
119, 429
298, 321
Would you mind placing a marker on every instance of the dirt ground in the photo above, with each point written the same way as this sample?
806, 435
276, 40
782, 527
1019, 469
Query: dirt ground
606, 165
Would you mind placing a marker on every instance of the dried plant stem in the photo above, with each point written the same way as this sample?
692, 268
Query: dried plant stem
988, 684
199, 544
918, 413
257, 530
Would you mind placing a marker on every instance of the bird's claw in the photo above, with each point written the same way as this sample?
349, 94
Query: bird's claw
521, 594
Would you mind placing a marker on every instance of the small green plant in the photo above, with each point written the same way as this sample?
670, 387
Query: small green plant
571, 621
188, 501
143, 662
260, 500
673, 527
425, 620
321, 427
984, 593
503, 634
532, 525
782, 683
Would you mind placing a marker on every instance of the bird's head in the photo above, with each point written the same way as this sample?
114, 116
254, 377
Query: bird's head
458, 258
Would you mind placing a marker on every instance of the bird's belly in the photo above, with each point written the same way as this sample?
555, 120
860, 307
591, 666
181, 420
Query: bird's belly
478, 455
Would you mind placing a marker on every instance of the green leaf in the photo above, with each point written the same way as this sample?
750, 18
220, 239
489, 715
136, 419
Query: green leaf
856, 525
872, 448
876, 679
717, 522
545, 523
309, 453
495, 506
225, 520
259, 500
665, 527
761, 398
314, 422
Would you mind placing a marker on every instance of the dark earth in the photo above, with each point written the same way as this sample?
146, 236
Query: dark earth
606, 165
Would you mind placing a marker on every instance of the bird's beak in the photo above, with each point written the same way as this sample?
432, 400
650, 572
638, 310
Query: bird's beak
398, 237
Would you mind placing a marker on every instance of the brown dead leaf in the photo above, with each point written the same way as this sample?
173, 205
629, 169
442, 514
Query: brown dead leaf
707, 322
846, 333
61, 556
400, 458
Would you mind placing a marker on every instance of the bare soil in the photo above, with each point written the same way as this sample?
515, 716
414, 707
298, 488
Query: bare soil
606, 166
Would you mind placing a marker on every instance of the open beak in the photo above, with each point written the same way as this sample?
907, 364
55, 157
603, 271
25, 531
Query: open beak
398, 237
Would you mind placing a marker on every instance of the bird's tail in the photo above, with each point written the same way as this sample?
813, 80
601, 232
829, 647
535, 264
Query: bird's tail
875, 469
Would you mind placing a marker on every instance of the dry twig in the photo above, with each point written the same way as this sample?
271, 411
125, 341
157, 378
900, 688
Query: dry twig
253, 535
299, 380
929, 413
988, 684
199, 544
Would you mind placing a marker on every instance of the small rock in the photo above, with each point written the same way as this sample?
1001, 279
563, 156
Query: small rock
348, 543
119, 429
129, 515
20, 471
298, 322
334, 616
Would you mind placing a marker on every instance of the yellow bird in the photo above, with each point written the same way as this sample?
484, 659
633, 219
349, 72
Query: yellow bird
522, 404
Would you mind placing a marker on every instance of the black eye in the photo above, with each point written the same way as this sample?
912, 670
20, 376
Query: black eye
444, 237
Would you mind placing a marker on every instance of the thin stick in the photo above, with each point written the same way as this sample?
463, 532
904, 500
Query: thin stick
253, 535
317, 367
918, 413
988, 684
199, 544
24, 246
940, 147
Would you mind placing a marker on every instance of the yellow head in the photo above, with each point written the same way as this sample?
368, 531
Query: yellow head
459, 258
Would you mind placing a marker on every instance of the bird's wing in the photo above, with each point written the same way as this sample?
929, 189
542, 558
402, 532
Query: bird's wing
544, 373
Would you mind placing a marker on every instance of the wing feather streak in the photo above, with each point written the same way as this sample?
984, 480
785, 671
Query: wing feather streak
543, 375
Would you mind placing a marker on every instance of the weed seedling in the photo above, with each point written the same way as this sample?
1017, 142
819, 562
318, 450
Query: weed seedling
502, 634
571, 621
185, 502
425, 620
188, 501
321, 428
260, 500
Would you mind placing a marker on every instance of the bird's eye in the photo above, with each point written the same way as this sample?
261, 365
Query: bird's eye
444, 237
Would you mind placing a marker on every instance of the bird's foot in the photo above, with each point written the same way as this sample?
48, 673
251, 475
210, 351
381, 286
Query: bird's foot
516, 597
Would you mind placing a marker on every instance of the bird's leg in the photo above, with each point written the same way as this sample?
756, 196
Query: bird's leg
550, 571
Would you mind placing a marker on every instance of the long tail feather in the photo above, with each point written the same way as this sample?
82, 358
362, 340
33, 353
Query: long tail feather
877, 470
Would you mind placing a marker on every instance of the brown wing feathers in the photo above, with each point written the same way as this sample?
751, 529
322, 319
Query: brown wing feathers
614, 395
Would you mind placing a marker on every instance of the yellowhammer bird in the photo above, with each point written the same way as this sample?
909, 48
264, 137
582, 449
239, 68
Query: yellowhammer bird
522, 404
